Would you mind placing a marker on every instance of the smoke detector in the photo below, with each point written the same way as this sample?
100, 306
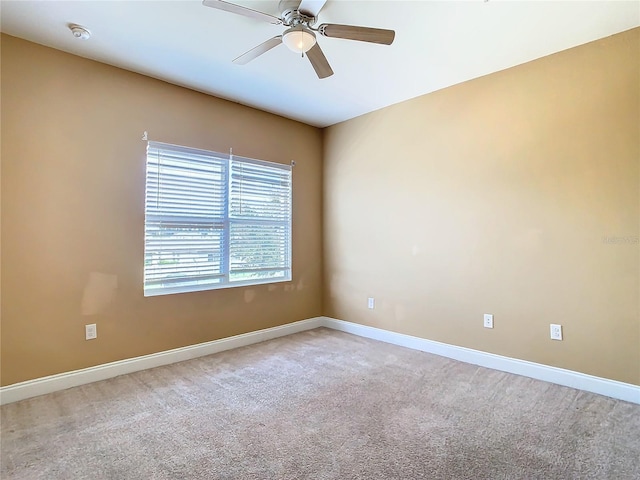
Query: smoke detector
79, 31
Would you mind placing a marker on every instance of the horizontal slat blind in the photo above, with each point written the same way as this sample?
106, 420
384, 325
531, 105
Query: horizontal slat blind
184, 218
260, 221
212, 222
260, 191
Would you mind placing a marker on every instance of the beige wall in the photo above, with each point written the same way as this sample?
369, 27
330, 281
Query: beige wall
494, 196
73, 166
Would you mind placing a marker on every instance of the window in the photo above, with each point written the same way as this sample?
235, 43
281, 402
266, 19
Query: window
214, 221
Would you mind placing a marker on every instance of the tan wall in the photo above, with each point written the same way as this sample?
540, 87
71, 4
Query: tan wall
494, 196
73, 166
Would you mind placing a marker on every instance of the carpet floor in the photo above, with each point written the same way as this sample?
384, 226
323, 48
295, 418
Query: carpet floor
320, 405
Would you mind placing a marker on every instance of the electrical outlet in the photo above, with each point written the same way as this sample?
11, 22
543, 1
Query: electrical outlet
371, 303
488, 320
556, 332
90, 332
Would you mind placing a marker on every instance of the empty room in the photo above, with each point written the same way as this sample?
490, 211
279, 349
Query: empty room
320, 239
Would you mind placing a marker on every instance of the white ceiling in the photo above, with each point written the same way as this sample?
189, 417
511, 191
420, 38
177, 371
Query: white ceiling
437, 44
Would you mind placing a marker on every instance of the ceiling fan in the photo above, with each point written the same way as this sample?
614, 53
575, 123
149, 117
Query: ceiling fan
301, 16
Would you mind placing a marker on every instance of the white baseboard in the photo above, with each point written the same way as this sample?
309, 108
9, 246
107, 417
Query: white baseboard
62, 381
568, 378
560, 376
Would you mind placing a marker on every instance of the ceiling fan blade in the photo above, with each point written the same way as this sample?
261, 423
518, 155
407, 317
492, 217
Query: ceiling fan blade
247, 12
319, 62
259, 50
311, 7
362, 34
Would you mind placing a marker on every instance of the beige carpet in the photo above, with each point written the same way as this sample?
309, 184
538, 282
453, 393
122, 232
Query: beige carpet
320, 405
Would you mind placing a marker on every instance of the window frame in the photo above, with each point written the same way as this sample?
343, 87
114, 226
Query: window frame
283, 240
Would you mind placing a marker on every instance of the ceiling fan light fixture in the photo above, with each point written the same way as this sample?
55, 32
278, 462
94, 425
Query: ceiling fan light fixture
299, 39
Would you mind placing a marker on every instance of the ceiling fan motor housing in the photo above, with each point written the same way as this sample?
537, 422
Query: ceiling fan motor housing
291, 16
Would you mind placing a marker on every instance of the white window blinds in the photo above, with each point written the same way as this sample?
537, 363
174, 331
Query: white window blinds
212, 221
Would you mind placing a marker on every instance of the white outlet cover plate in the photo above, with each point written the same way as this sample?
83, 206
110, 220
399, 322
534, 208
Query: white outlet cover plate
488, 320
90, 331
556, 331
371, 302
